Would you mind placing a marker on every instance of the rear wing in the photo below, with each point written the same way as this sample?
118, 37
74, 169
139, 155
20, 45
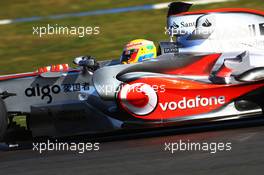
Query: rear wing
178, 7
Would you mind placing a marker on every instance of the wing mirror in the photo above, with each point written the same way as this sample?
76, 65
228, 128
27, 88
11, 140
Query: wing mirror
87, 62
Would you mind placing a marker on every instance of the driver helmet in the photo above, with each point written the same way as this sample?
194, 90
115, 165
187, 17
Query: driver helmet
138, 50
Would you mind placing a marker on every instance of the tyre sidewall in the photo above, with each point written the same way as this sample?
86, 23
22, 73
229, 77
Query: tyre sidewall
3, 119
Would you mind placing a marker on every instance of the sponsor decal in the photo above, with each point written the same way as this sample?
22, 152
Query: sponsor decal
179, 28
133, 44
75, 87
47, 91
139, 98
183, 24
261, 28
168, 47
252, 29
171, 49
175, 26
207, 23
197, 102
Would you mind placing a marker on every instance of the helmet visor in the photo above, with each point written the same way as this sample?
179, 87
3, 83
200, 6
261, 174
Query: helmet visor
129, 55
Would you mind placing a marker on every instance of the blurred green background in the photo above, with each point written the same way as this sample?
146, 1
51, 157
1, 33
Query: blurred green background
22, 51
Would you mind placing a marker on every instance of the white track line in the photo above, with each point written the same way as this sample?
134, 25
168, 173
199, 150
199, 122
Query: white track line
195, 2
5, 21
107, 11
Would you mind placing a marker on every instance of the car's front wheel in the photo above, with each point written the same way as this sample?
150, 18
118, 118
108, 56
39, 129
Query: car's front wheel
3, 119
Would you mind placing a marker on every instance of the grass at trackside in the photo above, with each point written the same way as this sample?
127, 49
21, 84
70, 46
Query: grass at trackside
21, 51
28, 8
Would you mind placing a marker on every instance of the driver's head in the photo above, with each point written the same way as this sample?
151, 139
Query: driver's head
137, 51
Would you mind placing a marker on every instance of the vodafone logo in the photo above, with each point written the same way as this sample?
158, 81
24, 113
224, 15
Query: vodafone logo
138, 98
197, 102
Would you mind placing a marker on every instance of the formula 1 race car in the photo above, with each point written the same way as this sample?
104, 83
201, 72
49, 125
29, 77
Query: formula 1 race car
208, 74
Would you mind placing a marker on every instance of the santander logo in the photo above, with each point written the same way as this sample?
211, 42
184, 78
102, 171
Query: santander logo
196, 102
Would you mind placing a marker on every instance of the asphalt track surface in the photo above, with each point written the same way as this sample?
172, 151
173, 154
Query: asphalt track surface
146, 155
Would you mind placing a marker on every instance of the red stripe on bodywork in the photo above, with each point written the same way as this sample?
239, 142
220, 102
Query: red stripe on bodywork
30, 74
14, 76
202, 67
224, 72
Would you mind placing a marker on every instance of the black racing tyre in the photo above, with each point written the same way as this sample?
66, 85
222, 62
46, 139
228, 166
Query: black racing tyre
3, 119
